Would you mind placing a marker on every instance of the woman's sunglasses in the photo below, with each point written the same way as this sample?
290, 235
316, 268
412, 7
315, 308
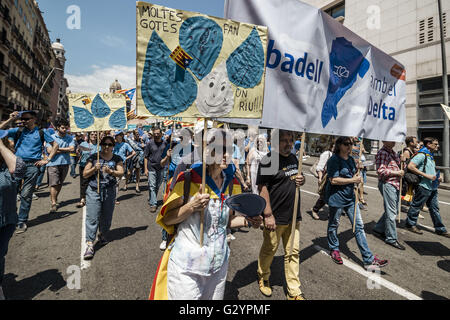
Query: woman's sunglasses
347, 144
107, 145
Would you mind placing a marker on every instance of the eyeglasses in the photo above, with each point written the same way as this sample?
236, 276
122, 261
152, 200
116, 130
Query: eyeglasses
107, 145
26, 119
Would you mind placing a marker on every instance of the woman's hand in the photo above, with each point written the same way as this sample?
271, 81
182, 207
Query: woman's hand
200, 201
108, 170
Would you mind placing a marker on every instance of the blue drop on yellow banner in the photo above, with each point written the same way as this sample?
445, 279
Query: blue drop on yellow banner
164, 93
245, 66
83, 118
202, 39
118, 119
99, 107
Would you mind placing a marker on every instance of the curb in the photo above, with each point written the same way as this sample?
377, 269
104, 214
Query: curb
374, 175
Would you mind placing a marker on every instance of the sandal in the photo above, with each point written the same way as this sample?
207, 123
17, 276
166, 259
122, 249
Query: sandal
81, 204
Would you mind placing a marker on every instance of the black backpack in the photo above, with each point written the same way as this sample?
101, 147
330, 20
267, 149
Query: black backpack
410, 177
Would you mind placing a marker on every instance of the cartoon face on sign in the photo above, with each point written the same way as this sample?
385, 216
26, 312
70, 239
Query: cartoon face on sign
215, 95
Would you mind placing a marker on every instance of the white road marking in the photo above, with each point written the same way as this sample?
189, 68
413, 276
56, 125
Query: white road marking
370, 275
83, 263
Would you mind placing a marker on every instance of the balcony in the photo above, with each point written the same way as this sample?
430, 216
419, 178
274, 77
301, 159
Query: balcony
4, 69
4, 40
3, 101
5, 13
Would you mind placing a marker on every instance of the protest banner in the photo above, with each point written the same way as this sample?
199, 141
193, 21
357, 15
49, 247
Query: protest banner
97, 112
323, 78
446, 110
190, 65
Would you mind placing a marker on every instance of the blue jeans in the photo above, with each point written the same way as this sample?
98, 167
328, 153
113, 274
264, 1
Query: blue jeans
73, 166
430, 197
26, 195
41, 175
386, 224
99, 211
154, 182
6, 233
333, 224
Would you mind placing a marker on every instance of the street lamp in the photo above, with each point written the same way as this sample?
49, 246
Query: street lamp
445, 135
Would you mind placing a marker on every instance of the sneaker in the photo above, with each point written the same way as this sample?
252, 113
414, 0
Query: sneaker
299, 297
153, 209
89, 254
163, 245
336, 256
379, 263
314, 215
21, 228
444, 234
102, 240
264, 287
362, 207
421, 216
413, 229
35, 197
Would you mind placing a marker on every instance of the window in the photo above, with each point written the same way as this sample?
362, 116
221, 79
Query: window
337, 10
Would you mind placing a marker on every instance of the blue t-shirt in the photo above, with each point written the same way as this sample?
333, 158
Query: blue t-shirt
85, 154
62, 159
430, 168
340, 196
29, 145
122, 150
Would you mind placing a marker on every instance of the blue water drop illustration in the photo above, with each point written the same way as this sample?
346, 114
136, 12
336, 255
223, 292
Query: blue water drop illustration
164, 93
245, 65
83, 118
118, 119
202, 39
99, 107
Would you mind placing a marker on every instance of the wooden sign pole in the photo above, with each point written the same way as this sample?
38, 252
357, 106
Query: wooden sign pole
202, 213
297, 195
357, 187
402, 167
98, 161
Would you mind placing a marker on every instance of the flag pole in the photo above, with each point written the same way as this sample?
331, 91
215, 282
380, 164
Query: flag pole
402, 167
98, 161
357, 186
297, 195
202, 213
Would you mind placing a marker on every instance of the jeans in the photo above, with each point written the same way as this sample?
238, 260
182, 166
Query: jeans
386, 224
99, 211
83, 184
6, 234
41, 176
26, 195
430, 197
73, 166
333, 224
154, 182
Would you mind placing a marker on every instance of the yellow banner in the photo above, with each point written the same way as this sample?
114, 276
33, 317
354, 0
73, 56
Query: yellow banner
190, 65
97, 112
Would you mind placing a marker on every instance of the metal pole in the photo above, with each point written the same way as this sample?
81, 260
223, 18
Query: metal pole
445, 135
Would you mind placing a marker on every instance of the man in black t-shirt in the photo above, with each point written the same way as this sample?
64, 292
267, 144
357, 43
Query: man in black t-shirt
153, 156
278, 189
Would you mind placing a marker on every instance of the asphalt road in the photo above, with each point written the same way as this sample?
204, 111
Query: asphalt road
43, 263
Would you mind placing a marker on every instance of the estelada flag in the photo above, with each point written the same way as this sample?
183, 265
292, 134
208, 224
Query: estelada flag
181, 57
231, 186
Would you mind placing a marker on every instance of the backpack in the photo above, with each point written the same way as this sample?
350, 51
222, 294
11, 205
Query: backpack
19, 134
410, 177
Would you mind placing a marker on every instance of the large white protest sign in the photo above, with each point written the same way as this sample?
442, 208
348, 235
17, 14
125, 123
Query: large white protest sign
323, 78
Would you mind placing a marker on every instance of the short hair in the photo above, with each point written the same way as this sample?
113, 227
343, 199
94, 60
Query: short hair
283, 132
428, 140
339, 142
61, 122
110, 138
409, 139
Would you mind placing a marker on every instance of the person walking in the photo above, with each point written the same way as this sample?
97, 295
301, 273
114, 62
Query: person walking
28, 144
278, 189
389, 174
100, 205
58, 167
87, 148
153, 154
258, 151
12, 169
426, 192
321, 170
126, 152
340, 196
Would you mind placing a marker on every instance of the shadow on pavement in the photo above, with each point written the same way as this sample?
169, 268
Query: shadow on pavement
49, 217
119, 234
427, 295
428, 248
28, 288
444, 265
128, 196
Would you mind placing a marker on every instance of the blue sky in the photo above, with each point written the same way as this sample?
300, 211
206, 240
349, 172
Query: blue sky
104, 47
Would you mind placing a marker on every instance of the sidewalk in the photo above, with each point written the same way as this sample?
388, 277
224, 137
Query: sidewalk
312, 159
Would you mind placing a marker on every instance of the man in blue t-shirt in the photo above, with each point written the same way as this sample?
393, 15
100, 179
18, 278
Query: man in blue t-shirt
126, 152
28, 143
58, 167
426, 192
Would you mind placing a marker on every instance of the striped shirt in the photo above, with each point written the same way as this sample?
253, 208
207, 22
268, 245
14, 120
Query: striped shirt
386, 162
